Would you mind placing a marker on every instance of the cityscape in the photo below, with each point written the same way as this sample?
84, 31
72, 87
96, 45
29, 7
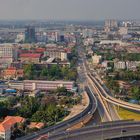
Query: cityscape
69, 73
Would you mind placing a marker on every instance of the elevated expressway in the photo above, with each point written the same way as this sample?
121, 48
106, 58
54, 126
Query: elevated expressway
104, 131
106, 96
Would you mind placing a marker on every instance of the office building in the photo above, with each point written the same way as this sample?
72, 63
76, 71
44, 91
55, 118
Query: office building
30, 35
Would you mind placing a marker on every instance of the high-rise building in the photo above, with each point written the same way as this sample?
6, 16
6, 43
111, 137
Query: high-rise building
111, 23
30, 35
62, 38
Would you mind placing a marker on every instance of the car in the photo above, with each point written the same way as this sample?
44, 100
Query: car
89, 112
123, 131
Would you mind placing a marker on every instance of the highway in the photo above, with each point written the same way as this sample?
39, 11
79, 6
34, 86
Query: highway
106, 96
103, 131
105, 109
109, 108
62, 126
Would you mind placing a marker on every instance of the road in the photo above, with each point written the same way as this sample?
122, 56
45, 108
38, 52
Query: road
106, 110
106, 96
104, 131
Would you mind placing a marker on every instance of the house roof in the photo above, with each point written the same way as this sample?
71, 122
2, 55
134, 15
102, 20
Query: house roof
40, 50
9, 121
36, 125
11, 68
31, 55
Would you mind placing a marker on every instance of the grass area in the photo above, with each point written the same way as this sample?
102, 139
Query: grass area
126, 114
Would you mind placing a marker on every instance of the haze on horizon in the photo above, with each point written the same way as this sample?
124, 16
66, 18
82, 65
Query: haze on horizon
69, 9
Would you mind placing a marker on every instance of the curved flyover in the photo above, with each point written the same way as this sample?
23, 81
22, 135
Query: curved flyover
105, 95
68, 123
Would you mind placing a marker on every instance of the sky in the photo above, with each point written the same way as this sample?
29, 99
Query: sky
69, 9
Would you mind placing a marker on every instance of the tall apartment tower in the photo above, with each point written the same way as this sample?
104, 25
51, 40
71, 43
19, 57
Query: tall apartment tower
111, 23
30, 34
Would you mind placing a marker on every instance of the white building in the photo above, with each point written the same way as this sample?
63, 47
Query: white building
120, 65
41, 85
105, 42
123, 30
8, 54
132, 65
96, 59
20, 38
88, 41
63, 56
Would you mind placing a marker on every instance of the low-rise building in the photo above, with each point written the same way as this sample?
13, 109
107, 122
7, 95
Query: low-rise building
7, 126
30, 57
36, 125
96, 59
120, 65
41, 85
130, 65
13, 73
56, 52
8, 54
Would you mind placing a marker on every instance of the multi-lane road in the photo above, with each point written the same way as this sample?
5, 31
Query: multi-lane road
103, 131
106, 110
106, 96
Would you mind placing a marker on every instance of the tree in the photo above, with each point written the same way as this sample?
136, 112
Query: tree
55, 71
44, 72
40, 116
72, 74
135, 92
29, 71
64, 71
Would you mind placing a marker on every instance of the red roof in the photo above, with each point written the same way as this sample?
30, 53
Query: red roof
31, 55
11, 68
40, 50
9, 121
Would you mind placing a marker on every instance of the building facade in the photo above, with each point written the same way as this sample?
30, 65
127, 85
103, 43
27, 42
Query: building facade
41, 85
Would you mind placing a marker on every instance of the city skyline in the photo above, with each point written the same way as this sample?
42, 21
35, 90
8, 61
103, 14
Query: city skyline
69, 10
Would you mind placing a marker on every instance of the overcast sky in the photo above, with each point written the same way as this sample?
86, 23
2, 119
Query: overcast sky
69, 9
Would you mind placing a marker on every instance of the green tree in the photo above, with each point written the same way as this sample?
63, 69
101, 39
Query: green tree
135, 92
29, 71
44, 72
40, 116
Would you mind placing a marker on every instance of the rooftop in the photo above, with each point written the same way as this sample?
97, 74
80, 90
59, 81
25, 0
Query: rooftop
30, 55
